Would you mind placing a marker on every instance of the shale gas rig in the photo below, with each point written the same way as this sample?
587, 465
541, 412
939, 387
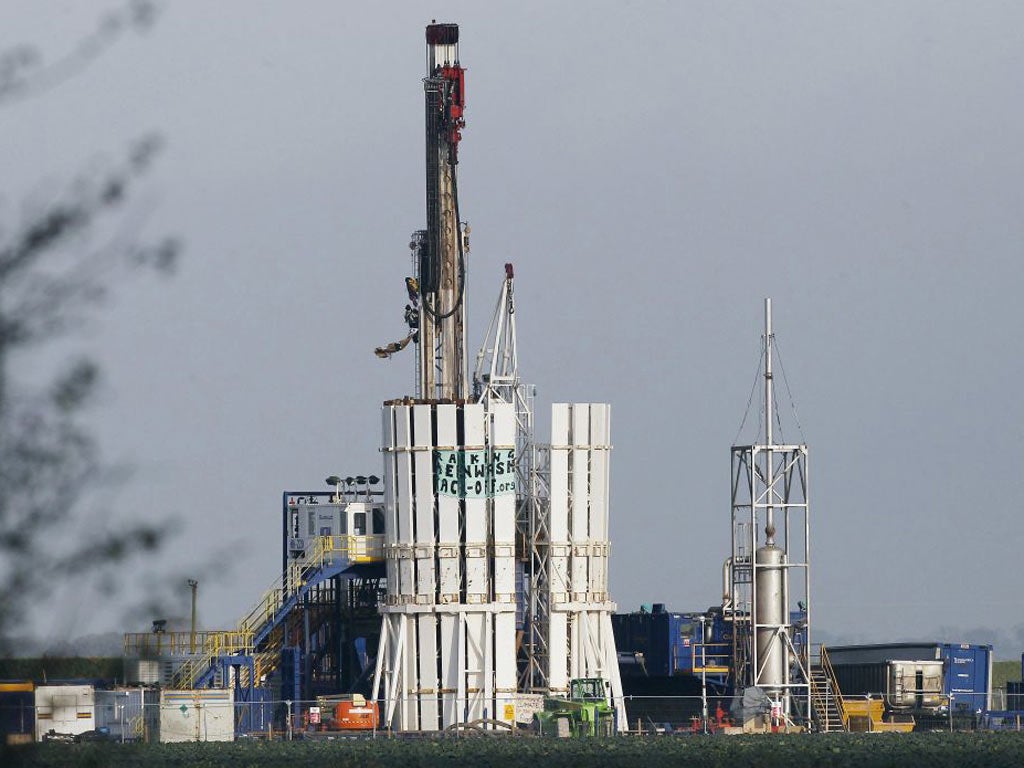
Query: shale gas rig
469, 580
496, 547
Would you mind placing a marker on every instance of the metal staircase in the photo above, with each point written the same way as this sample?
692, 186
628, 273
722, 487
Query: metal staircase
253, 647
826, 699
197, 671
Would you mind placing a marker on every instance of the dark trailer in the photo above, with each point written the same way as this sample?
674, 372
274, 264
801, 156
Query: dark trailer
918, 676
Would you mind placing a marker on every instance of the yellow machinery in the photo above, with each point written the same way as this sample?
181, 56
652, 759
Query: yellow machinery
869, 715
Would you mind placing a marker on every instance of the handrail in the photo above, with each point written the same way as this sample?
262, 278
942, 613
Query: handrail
217, 644
719, 660
829, 670
325, 550
186, 675
144, 644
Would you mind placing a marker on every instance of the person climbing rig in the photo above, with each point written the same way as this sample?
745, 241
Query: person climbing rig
395, 346
412, 319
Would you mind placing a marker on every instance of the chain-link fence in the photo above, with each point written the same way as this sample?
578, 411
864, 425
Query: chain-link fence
80, 713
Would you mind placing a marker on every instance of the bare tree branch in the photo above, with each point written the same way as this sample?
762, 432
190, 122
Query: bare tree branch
52, 277
24, 74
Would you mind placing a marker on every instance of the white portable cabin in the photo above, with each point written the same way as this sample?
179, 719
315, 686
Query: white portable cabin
69, 709
207, 714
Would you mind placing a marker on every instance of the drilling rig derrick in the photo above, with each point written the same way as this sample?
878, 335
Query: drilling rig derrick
436, 312
440, 252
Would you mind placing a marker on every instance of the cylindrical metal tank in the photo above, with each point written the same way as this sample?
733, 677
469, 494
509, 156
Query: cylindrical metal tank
770, 617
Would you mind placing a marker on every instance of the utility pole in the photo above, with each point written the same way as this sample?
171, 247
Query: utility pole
194, 585
704, 672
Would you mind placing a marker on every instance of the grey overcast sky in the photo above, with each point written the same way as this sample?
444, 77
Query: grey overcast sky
654, 170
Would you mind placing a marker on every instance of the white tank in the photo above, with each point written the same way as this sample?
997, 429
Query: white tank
770, 615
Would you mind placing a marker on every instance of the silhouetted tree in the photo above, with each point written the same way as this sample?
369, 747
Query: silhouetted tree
51, 279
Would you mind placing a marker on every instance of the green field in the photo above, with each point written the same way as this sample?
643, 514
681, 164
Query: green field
1003, 671
853, 750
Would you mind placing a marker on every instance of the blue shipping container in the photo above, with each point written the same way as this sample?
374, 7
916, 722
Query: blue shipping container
968, 676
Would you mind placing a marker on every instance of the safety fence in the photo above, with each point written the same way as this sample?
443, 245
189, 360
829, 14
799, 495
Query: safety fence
141, 715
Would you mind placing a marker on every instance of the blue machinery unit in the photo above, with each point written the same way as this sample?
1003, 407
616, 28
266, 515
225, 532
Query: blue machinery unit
667, 657
670, 661
654, 642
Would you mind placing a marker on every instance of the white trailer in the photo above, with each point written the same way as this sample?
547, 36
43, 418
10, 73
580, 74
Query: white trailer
65, 709
198, 715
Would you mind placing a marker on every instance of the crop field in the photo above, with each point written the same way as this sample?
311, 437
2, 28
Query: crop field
854, 750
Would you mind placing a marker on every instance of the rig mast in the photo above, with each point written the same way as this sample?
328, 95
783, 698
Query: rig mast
441, 247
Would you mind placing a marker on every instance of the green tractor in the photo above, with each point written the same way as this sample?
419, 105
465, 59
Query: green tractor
587, 711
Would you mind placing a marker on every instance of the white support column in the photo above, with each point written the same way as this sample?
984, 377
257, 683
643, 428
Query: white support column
396, 669
451, 666
503, 440
383, 649
409, 692
579, 484
390, 495
402, 548
395, 677
558, 632
579, 536
426, 573
477, 581
461, 694
599, 428
449, 578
